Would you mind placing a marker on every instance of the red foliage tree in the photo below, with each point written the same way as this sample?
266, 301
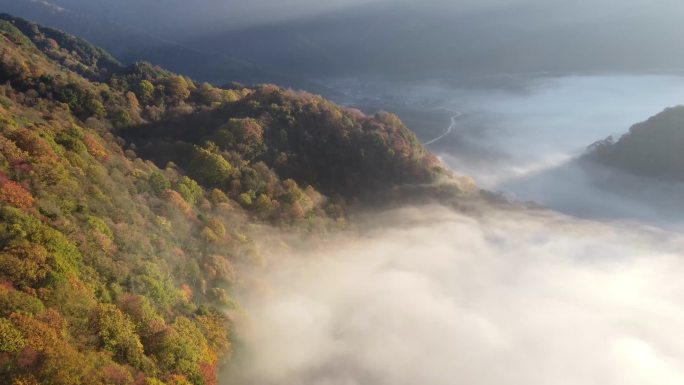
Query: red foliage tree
208, 373
14, 194
94, 147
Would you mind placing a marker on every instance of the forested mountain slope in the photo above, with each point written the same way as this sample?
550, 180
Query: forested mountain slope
654, 148
127, 196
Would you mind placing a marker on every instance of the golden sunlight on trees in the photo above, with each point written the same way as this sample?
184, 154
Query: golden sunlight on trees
129, 199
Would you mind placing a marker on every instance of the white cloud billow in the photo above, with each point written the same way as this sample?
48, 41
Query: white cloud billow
510, 298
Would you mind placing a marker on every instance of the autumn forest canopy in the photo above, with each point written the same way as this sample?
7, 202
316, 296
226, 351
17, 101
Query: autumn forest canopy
129, 197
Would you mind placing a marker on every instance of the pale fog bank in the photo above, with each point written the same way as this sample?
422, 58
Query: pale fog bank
509, 134
430, 296
521, 134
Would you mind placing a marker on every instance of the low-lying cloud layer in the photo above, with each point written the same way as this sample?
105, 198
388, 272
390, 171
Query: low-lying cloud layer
435, 297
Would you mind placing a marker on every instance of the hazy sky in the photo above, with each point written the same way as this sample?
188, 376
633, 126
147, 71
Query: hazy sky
240, 13
423, 39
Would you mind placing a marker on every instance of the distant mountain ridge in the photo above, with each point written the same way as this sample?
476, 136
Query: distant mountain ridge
433, 40
378, 39
131, 45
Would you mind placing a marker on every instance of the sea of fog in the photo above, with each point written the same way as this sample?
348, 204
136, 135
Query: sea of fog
521, 136
426, 295
588, 292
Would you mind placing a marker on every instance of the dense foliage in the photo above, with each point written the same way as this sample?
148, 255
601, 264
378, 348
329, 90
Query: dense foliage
297, 135
654, 148
113, 267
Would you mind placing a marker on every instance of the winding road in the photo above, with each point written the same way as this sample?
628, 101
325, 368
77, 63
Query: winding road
448, 131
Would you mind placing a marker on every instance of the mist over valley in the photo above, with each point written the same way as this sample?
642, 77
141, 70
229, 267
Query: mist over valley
352, 192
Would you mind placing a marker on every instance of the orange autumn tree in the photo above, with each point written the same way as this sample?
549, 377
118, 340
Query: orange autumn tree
94, 147
15, 194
